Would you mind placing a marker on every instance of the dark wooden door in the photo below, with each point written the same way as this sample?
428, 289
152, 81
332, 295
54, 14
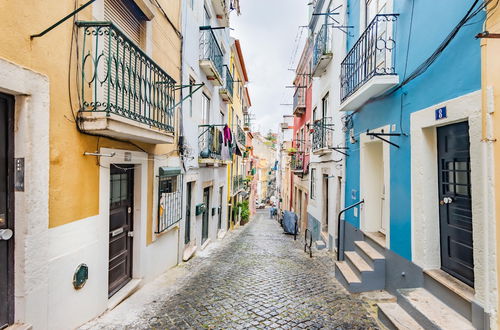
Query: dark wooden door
120, 227
206, 214
6, 211
187, 231
455, 207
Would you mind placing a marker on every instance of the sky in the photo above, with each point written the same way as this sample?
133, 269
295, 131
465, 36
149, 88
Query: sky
267, 30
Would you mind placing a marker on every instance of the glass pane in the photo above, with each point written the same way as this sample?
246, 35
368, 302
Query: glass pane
124, 181
115, 188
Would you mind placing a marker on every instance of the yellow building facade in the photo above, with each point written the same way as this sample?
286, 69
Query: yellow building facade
490, 44
238, 108
94, 113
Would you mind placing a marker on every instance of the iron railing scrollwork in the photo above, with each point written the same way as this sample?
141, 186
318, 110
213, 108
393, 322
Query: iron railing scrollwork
242, 137
371, 55
170, 202
210, 49
118, 78
297, 161
246, 120
322, 134
322, 44
209, 142
299, 98
229, 81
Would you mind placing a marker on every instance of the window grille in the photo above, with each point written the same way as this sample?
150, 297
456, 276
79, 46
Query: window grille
169, 198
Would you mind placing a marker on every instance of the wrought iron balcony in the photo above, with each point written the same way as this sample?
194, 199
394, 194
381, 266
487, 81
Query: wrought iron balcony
322, 54
239, 183
211, 145
297, 163
125, 94
242, 136
322, 135
299, 101
368, 70
211, 56
246, 122
227, 92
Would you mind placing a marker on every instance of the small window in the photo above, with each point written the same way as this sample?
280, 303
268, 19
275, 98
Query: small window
169, 198
324, 105
205, 109
313, 183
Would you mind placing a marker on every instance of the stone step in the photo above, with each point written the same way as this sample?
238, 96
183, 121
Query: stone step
367, 252
320, 245
357, 263
451, 291
396, 318
347, 277
429, 311
376, 240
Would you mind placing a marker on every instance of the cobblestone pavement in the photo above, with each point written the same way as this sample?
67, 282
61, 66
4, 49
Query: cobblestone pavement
260, 279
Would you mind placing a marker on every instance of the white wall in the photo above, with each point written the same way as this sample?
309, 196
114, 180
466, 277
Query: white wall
331, 164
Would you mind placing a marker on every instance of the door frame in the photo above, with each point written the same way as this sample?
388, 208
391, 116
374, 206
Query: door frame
140, 202
368, 181
425, 199
10, 207
130, 245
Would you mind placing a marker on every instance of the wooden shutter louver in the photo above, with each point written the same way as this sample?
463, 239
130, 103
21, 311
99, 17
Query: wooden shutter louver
127, 16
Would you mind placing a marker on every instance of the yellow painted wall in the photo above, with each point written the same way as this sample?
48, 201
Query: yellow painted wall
491, 82
235, 108
74, 178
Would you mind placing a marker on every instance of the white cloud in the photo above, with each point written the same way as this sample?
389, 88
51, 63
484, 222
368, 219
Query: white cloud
267, 30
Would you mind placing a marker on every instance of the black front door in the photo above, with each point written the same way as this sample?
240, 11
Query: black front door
204, 225
187, 231
6, 211
455, 210
120, 227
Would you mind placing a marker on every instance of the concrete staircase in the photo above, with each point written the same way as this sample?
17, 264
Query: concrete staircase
363, 269
449, 306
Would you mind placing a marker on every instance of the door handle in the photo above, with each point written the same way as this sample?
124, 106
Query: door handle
6, 234
446, 200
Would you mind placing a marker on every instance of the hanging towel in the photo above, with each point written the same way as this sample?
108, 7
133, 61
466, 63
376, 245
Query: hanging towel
228, 136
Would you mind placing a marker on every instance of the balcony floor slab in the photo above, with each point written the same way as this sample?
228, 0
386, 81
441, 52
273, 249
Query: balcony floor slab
374, 87
119, 127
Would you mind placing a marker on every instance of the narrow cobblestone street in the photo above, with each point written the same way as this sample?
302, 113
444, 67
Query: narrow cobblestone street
258, 278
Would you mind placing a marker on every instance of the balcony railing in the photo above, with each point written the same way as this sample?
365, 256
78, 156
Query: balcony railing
299, 101
322, 134
209, 142
239, 183
227, 92
322, 53
246, 121
298, 161
241, 137
118, 78
210, 50
372, 55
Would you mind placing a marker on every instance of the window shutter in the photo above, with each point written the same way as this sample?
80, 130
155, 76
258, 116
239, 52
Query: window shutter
127, 16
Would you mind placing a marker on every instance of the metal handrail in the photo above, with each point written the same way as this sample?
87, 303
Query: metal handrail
343, 232
370, 56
